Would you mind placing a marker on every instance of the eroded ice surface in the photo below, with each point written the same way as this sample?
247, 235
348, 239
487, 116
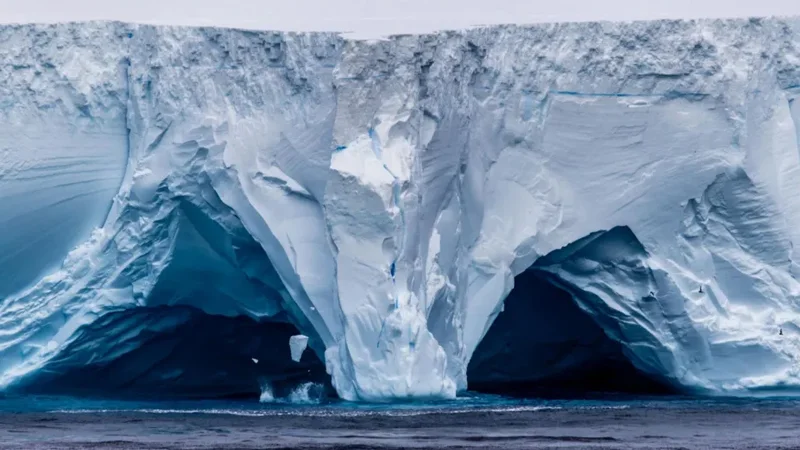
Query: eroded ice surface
382, 196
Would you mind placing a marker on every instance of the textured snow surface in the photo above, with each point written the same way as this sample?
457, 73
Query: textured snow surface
382, 196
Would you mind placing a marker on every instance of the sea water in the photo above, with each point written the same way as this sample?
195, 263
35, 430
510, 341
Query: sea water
472, 421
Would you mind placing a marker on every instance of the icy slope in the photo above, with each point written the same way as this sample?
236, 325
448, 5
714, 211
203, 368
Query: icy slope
382, 196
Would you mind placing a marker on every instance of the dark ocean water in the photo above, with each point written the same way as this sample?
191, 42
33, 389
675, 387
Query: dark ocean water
479, 421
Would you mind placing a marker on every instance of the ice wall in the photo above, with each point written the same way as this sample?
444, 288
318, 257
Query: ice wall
383, 195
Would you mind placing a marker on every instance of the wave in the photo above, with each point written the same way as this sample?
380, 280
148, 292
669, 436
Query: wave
320, 412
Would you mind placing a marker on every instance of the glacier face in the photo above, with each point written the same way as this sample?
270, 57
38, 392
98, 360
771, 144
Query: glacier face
381, 197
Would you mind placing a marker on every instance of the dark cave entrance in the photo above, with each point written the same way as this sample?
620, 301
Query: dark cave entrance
177, 352
544, 345
214, 325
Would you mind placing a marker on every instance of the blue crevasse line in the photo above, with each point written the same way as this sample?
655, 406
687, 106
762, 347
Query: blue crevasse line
527, 107
340, 148
396, 194
380, 333
362, 78
392, 271
396, 201
666, 95
376, 148
602, 94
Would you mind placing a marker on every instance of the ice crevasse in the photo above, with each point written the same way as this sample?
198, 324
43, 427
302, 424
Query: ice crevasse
380, 197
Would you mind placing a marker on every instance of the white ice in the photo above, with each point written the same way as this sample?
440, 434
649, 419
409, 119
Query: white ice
297, 345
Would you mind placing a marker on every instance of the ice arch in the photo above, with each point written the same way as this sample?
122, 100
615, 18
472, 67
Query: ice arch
213, 322
592, 314
628, 314
197, 310
543, 343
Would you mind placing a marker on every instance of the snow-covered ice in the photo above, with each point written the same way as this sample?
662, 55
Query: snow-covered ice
381, 196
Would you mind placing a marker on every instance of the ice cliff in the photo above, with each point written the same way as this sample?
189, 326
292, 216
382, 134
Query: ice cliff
161, 184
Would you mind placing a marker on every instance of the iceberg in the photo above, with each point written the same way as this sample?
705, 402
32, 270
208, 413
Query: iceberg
180, 202
297, 345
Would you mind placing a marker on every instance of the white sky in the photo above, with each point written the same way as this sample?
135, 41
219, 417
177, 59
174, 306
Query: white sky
378, 17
